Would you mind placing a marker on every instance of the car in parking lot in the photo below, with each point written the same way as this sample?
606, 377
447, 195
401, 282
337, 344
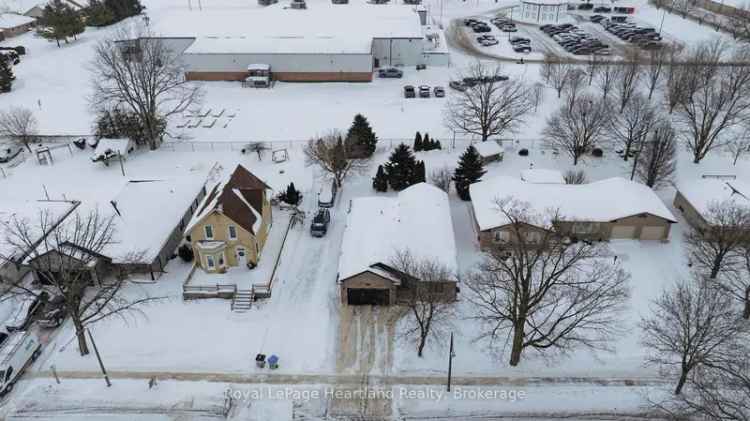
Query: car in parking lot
480, 28
390, 72
439, 91
522, 48
459, 86
409, 92
596, 18
585, 6
602, 9
487, 40
424, 91
509, 28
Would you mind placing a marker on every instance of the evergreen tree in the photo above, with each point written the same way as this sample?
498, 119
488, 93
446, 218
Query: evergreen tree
426, 142
122, 9
6, 75
60, 22
116, 123
291, 196
73, 23
417, 142
419, 175
380, 181
400, 167
437, 145
186, 253
98, 14
360, 139
470, 170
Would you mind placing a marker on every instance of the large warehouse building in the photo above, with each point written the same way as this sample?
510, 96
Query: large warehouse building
323, 42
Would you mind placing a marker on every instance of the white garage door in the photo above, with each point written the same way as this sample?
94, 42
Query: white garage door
623, 231
652, 233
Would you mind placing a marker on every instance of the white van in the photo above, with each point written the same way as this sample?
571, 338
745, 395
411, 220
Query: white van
16, 353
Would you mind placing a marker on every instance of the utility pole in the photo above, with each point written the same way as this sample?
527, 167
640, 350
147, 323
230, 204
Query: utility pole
99, 358
451, 354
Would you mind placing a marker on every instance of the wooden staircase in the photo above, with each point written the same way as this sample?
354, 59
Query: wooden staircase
243, 300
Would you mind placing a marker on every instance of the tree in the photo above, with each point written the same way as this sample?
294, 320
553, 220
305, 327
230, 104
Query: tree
63, 260
143, 76
6, 75
61, 22
716, 98
626, 84
98, 14
575, 177
329, 154
575, 85
593, 65
401, 167
291, 196
541, 293
605, 78
675, 79
419, 175
629, 129
657, 160
576, 129
380, 181
537, 94
555, 72
20, 125
429, 314
417, 142
736, 283
122, 9
716, 247
739, 145
470, 170
360, 139
720, 391
186, 253
692, 325
116, 123
655, 70
442, 178
489, 108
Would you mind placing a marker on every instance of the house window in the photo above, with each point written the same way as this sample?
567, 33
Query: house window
209, 232
210, 262
221, 260
533, 236
232, 232
501, 236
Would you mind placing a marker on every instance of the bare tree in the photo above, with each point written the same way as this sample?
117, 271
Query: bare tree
576, 129
143, 75
719, 391
538, 94
491, 107
715, 98
575, 177
554, 72
655, 69
736, 282
629, 129
429, 313
537, 292
20, 125
64, 260
674, 80
739, 145
626, 84
575, 85
716, 247
593, 66
442, 178
657, 160
330, 155
692, 325
605, 78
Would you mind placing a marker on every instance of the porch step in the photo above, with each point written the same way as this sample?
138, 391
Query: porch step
242, 300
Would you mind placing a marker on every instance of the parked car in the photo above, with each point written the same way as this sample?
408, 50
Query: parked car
602, 9
596, 18
390, 72
18, 351
522, 49
23, 315
519, 39
509, 28
409, 92
489, 42
424, 91
585, 6
618, 18
459, 86
319, 225
439, 91
481, 28
53, 312
9, 151
327, 192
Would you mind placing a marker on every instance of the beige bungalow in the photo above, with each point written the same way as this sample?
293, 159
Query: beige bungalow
232, 224
613, 208
695, 198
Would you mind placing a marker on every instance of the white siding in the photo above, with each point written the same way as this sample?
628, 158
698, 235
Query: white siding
279, 62
398, 51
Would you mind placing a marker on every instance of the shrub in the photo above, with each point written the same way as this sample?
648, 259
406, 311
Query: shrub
186, 253
575, 177
597, 152
524, 152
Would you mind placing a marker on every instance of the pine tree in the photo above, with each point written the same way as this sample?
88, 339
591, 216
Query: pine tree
426, 142
380, 181
361, 141
437, 145
470, 170
417, 142
61, 22
291, 196
6, 75
400, 167
419, 175
98, 14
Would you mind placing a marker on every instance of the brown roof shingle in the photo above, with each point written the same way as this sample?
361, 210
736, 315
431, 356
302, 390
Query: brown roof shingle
235, 198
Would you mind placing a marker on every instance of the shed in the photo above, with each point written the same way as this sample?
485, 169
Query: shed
694, 198
490, 150
107, 149
12, 24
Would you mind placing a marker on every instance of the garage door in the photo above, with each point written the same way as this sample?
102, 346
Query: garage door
623, 231
364, 296
652, 233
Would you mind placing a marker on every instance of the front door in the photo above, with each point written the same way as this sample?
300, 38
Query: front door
241, 256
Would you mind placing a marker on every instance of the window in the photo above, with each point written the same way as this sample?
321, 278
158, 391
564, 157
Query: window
232, 232
210, 262
533, 236
209, 232
501, 236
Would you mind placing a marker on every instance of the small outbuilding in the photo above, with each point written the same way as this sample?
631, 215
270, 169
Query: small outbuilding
490, 150
12, 25
695, 198
107, 149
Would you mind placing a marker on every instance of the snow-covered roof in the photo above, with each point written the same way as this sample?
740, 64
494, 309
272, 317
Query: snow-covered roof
703, 192
30, 213
117, 146
600, 201
542, 176
259, 67
489, 148
545, 2
146, 214
322, 27
12, 20
417, 220
20, 6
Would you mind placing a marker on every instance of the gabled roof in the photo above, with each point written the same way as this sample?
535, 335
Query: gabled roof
601, 201
239, 198
704, 192
12, 20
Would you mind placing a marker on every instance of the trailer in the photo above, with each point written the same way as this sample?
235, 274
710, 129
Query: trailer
16, 354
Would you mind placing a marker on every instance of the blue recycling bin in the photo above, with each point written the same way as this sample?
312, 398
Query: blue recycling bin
273, 362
